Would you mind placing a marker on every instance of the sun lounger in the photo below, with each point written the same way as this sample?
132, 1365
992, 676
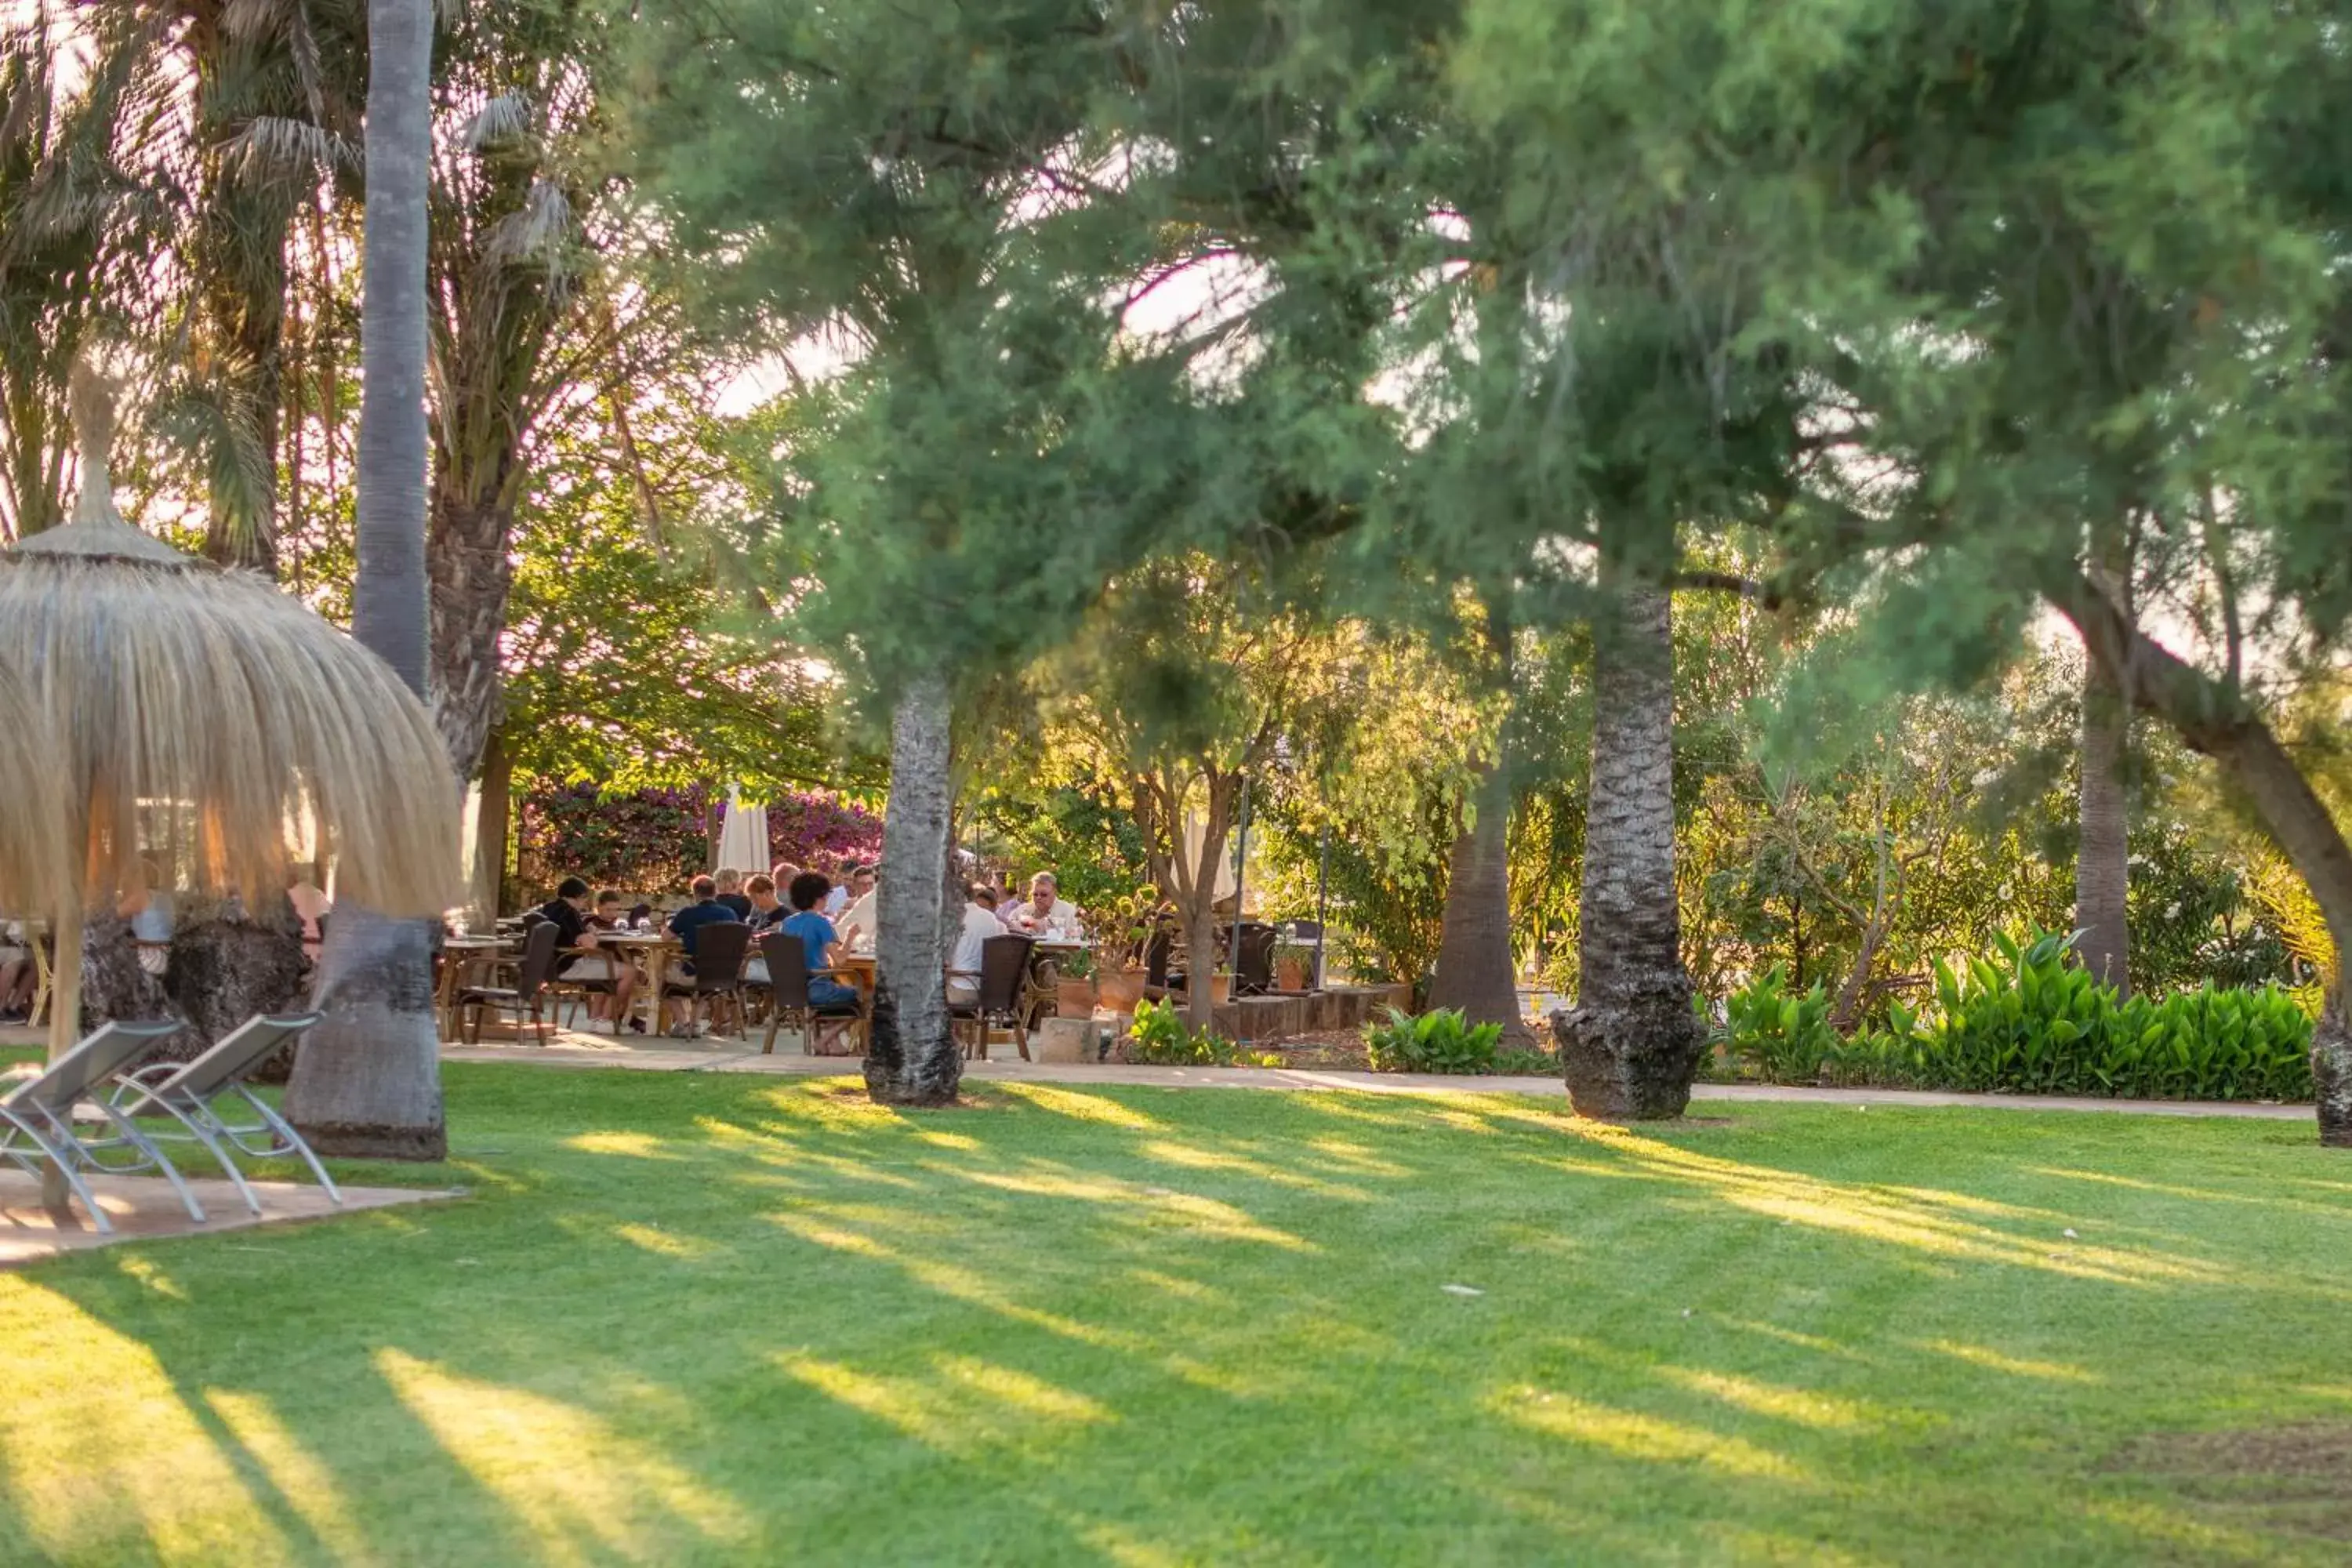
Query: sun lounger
194, 1093
38, 1117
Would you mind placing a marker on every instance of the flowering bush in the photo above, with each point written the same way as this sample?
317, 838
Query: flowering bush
651, 841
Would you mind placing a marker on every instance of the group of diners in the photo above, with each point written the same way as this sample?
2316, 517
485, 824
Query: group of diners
834, 922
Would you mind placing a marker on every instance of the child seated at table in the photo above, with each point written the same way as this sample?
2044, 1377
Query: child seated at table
818, 938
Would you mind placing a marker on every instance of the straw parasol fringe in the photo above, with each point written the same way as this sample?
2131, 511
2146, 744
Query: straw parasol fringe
203, 721
34, 870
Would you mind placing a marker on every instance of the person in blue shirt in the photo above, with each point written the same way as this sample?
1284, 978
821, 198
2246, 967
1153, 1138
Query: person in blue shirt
705, 910
818, 939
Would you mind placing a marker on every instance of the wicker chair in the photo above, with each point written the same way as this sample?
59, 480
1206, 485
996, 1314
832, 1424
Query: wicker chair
527, 996
1003, 995
788, 987
719, 949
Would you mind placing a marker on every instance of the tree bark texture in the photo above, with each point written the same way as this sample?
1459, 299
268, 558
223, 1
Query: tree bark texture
227, 966
1631, 1044
367, 1081
368, 1078
2103, 860
1475, 971
912, 1058
471, 577
2214, 718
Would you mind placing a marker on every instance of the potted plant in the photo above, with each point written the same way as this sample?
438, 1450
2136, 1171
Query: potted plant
1074, 985
1293, 967
1123, 932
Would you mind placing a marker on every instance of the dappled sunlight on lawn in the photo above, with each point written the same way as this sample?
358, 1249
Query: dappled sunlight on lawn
1903, 1218
299, 1477
962, 1400
584, 1491
1632, 1435
88, 1403
1168, 1151
2015, 1366
635, 1145
1079, 1105
1802, 1406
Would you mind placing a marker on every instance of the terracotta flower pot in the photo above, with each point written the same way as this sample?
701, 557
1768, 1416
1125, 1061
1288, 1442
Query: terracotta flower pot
1221, 988
1073, 998
1123, 988
1291, 976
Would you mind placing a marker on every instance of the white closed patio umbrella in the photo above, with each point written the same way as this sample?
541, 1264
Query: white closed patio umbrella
742, 835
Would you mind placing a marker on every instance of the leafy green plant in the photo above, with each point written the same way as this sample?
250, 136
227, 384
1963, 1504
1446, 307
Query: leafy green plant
1525, 1063
2026, 1021
1785, 1036
1160, 1038
1438, 1041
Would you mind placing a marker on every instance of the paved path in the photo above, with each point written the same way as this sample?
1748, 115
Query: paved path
142, 1208
598, 1051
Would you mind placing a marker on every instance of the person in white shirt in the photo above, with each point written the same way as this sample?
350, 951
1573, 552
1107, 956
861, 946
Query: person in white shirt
980, 923
857, 882
857, 923
1044, 910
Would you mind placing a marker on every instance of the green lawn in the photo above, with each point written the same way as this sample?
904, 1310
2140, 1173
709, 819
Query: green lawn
706, 1318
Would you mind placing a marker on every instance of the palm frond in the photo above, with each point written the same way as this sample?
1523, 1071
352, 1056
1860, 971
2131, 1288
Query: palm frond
276, 147
506, 116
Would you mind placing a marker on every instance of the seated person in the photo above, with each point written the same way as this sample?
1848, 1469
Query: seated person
980, 923
147, 908
1045, 909
706, 910
18, 974
837, 897
731, 892
577, 921
858, 919
768, 912
819, 938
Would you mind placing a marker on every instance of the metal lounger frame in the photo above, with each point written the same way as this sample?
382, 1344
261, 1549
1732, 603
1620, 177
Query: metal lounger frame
192, 1093
39, 1112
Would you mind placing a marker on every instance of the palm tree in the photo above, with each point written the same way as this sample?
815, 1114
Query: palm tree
368, 1078
1633, 1043
272, 91
512, 327
83, 199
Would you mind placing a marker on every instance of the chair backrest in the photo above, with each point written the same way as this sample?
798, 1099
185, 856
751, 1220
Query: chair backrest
720, 948
1155, 958
1004, 972
530, 918
1304, 930
236, 1054
110, 1050
538, 960
788, 973
1254, 969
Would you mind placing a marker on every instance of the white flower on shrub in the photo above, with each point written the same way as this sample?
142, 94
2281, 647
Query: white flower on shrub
1986, 779
2172, 911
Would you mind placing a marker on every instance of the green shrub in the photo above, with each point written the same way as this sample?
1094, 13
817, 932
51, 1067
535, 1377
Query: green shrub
1160, 1037
1525, 1063
2026, 1021
1784, 1036
1437, 1041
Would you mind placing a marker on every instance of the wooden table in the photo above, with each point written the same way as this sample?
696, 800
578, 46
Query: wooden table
654, 948
459, 953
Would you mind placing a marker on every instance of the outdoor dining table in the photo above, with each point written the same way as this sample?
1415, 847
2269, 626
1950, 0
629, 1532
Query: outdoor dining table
459, 953
656, 949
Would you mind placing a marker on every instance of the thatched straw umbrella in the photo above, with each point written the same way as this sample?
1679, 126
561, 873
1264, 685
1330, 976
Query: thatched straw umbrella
34, 867
200, 720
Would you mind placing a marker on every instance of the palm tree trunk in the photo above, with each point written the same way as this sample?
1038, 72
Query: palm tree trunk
1631, 1044
471, 577
1475, 972
368, 1079
913, 1059
2102, 862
